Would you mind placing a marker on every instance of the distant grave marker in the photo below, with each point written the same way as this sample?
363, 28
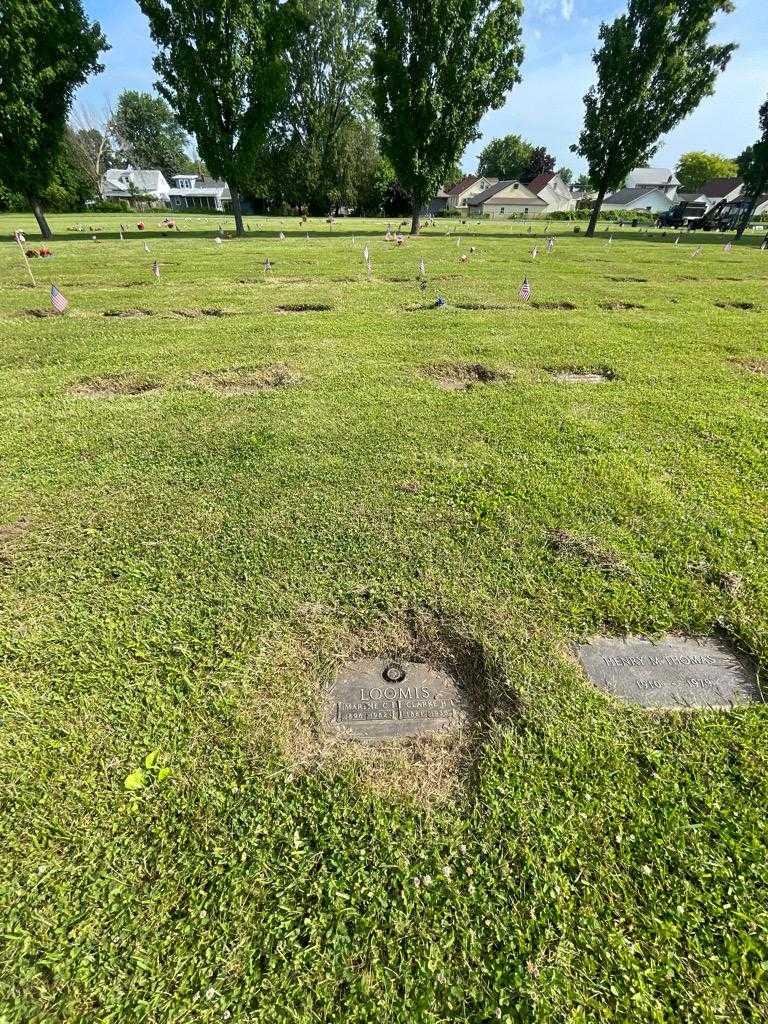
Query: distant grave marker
377, 699
677, 673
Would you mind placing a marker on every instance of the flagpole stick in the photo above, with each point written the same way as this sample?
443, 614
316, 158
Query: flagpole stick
26, 262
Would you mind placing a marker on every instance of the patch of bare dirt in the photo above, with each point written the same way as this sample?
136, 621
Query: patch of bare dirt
38, 314
735, 305
247, 380
729, 582
190, 314
409, 487
305, 307
615, 306
462, 376
553, 305
10, 534
587, 550
429, 770
758, 365
129, 312
630, 280
581, 374
114, 385
478, 305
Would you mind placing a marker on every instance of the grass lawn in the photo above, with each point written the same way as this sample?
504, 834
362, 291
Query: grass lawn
183, 568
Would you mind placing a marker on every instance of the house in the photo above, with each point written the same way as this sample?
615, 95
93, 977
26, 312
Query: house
194, 192
505, 199
663, 178
642, 197
455, 196
717, 189
553, 190
132, 185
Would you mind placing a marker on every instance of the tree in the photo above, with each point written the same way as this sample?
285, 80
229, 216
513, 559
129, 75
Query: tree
319, 139
755, 171
696, 167
540, 163
506, 158
47, 49
438, 66
584, 183
222, 69
565, 174
147, 133
654, 67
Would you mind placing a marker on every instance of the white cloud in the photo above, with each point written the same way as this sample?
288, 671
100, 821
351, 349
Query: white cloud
566, 9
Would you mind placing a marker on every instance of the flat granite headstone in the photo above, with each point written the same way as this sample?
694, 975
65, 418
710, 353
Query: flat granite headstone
678, 672
379, 699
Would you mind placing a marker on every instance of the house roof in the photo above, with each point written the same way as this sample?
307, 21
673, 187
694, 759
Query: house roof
142, 181
652, 176
540, 182
463, 184
719, 188
491, 195
625, 196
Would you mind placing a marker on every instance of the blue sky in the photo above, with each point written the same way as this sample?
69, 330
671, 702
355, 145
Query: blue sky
559, 36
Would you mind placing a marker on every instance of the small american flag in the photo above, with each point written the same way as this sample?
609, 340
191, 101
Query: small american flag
146, 247
58, 301
365, 255
550, 244
697, 251
610, 240
422, 269
19, 237
727, 247
525, 290
267, 265
677, 240
282, 237
534, 252
764, 246
156, 268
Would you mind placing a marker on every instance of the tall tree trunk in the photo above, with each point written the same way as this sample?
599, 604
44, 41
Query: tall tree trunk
415, 218
237, 211
596, 209
45, 232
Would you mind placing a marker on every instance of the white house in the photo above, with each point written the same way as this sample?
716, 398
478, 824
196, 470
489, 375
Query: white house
663, 178
457, 195
504, 199
649, 198
553, 190
130, 185
193, 192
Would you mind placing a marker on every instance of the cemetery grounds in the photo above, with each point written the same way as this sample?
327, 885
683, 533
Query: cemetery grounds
213, 500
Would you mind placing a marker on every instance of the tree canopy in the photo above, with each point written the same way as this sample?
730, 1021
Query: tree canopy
653, 68
755, 170
696, 167
439, 65
146, 133
222, 68
47, 49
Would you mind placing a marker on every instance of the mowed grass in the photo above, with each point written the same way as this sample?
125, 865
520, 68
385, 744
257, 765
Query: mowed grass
184, 568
